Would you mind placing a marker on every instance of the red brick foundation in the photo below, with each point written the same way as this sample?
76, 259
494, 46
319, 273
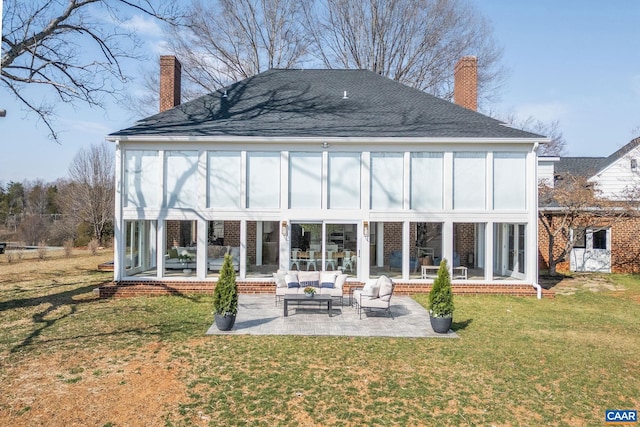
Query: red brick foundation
135, 289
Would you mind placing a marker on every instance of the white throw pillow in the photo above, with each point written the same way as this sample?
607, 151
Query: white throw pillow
340, 279
328, 280
385, 289
370, 289
279, 278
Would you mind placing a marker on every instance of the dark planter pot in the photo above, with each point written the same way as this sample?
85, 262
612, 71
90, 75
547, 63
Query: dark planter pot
225, 322
441, 325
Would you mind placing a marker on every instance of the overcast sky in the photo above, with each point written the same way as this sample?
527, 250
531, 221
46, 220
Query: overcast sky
575, 61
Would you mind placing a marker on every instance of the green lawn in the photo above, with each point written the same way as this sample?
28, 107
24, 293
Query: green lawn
518, 361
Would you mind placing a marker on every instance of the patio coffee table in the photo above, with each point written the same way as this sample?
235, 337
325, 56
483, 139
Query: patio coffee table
303, 299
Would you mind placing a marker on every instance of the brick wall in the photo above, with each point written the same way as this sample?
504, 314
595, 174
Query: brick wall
173, 229
464, 235
392, 239
232, 233
133, 289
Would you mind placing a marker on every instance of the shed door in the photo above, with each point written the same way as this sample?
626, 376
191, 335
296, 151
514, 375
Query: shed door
593, 252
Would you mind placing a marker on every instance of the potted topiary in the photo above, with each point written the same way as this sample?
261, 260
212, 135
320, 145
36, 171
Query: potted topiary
225, 296
441, 300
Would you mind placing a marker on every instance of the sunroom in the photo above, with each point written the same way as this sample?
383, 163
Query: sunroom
324, 170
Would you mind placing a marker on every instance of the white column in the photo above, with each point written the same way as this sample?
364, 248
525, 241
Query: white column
118, 238
489, 243
243, 248
447, 242
162, 244
406, 254
202, 252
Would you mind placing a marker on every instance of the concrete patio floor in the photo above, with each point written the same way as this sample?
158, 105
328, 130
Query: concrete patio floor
258, 315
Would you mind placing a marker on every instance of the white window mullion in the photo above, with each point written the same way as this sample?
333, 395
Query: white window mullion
324, 180
406, 181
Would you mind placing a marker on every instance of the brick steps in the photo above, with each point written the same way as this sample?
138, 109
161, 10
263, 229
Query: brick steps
134, 289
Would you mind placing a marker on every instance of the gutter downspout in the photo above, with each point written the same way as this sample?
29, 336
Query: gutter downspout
535, 284
538, 290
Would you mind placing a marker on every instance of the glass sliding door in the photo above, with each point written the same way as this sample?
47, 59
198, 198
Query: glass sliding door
181, 254
306, 246
263, 242
509, 251
341, 247
140, 248
468, 251
386, 255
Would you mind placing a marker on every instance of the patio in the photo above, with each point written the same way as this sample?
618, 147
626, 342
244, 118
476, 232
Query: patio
258, 315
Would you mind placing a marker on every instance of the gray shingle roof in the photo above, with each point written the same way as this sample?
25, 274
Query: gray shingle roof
580, 166
309, 103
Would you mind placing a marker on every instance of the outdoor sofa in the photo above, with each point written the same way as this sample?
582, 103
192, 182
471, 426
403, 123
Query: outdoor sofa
325, 282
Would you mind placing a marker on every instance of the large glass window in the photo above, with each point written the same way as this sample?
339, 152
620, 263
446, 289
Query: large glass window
426, 238
181, 172
387, 180
263, 242
469, 181
305, 180
225, 182
181, 255
140, 247
468, 251
385, 240
141, 176
263, 179
509, 181
224, 237
426, 181
344, 180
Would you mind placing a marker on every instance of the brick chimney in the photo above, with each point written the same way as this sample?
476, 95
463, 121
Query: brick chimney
170, 71
465, 82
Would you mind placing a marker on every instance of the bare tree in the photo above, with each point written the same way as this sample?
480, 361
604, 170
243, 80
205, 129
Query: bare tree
416, 42
72, 47
557, 146
90, 195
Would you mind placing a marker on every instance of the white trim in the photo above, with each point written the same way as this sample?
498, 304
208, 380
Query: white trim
320, 140
118, 244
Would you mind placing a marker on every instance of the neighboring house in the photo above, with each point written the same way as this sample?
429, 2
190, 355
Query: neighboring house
324, 169
608, 243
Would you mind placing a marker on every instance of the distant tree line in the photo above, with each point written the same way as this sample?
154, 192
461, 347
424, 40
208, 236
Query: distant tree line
78, 208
